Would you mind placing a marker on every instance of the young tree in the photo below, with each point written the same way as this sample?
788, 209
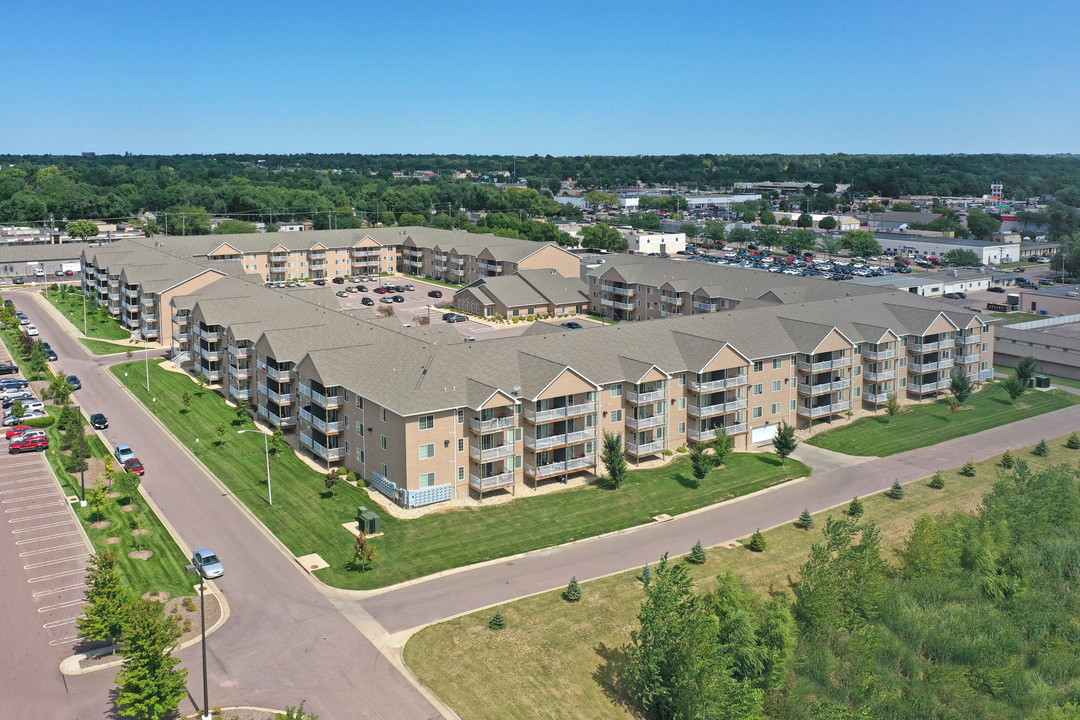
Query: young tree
614, 459
960, 385
830, 245
363, 552
697, 554
896, 491
646, 575
149, 685
220, 430
185, 400
497, 622
296, 713
968, 470
277, 441
573, 592
1026, 369
784, 442
1042, 449
98, 500
937, 482
700, 463
18, 409
721, 445
1073, 443
1015, 387
127, 484
1007, 460
106, 597
243, 407
757, 542
60, 388
855, 508
331, 480
806, 520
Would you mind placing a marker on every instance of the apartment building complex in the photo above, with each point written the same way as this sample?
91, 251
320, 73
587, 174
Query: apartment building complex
427, 417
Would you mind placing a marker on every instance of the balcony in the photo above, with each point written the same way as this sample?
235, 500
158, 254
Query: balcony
554, 441
280, 398
969, 339
706, 306
879, 354
636, 398
671, 300
441, 257
879, 376
540, 472
209, 336
824, 365
723, 408
414, 263
617, 290
327, 427
493, 425
876, 398
924, 347
317, 265
239, 372
328, 454
968, 358
921, 367
666, 314
457, 272
317, 255
710, 435
485, 265
211, 375
148, 301
149, 317
278, 265
919, 388
321, 399
365, 254
824, 410
721, 384
440, 266
568, 411
648, 448
240, 393
181, 319
491, 482
131, 307
617, 304
181, 336
646, 422
132, 293
822, 388
497, 452
240, 351
206, 353
131, 323
281, 375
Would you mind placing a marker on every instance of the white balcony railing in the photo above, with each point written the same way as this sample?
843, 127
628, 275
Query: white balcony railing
327, 427
543, 416
721, 384
618, 304
280, 375
646, 422
321, 399
824, 410
559, 468
879, 354
921, 367
280, 398
928, 387
490, 482
922, 347
879, 376
710, 435
644, 397
875, 398
492, 425
824, 365
617, 290
328, 454
498, 452
671, 299
554, 441
822, 388
716, 408
647, 448
970, 339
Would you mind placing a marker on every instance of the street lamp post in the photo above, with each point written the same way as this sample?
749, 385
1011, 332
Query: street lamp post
202, 613
266, 447
146, 353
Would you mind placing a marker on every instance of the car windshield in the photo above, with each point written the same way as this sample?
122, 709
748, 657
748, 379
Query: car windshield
210, 560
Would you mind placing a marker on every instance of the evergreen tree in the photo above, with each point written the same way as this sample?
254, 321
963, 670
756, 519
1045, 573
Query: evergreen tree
697, 554
1007, 460
855, 508
1073, 443
784, 442
646, 575
497, 622
806, 520
149, 686
960, 385
572, 593
1015, 387
896, 491
937, 481
106, 597
1042, 449
968, 470
614, 459
700, 464
757, 542
1026, 369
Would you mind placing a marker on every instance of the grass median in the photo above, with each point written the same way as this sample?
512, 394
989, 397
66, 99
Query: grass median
308, 519
99, 324
917, 426
101, 347
554, 655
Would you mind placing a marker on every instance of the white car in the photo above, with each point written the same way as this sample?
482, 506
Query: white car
32, 330
10, 420
1042, 260
301, 283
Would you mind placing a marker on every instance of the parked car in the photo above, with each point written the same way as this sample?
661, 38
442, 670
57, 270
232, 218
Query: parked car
301, 283
342, 293
398, 298
409, 288
19, 280
320, 282
361, 288
8, 369
29, 405
338, 281
32, 330
381, 290
51, 354
26, 432
1042, 260
134, 465
123, 453
435, 293
10, 420
7, 383
75, 381
99, 421
456, 318
28, 444
207, 563
572, 325
17, 430
1046, 281
367, 301
996, 289
954, 295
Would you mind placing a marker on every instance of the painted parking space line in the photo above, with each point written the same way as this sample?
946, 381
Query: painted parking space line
41, 551
28, 518
65, 640
17, 465
60, 623
53, 576
46, 563
58, 606
27, 541
28, 497
5, 483
57, 591
24, 508
19, 531
12, 491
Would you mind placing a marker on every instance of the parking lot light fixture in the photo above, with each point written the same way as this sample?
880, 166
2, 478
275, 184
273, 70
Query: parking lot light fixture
202, 611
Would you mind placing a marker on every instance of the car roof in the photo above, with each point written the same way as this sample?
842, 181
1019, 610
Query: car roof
204, 551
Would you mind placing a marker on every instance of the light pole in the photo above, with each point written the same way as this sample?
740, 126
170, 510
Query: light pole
202, 613
266, 446
146, 354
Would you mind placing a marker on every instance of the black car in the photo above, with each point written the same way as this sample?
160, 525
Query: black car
435, 293
99, 421
572, 325
320, 282
361, 288
338, 281
996, 289
8, 369
51, 354
8, 383
366, 301
75, 381
20, 280
398, 298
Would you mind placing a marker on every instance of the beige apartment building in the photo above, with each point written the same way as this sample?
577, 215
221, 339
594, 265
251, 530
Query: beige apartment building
427, 417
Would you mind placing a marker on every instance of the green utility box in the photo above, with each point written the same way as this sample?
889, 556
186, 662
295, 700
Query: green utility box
369, 522
1042, 381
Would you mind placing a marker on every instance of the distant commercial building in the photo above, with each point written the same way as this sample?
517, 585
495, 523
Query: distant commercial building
910, 244
645, 242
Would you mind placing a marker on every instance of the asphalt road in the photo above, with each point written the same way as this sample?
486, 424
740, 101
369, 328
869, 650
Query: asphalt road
284, 642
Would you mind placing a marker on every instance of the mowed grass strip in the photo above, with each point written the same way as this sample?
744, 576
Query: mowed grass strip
917, 426
309, 519
555, 655
101, 347
99, 324
164, 569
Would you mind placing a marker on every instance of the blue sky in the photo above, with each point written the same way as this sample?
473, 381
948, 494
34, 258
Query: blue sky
558, 78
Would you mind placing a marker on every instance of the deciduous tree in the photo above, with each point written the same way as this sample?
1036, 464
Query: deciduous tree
106, 598
614, 459
149, 684
784, 442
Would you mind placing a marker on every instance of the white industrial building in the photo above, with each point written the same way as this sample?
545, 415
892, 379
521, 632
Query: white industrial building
989, 253
645, 242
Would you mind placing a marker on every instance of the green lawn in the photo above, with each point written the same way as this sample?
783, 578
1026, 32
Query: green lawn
1056, 380
99, 324
1017, 317
11, 340
101, 347
554, 655
308, 519
434, 282
921, 425
164, 570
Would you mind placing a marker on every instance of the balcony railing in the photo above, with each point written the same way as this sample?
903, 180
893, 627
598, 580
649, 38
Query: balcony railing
646, 422
239, 372
208, 335
983, 375
716, 408
879, 354
316, 255
671, 299
928, 387
319, 423
823, 410
969, 339
483, 264
922, 347
822, 388
365, 253
485, 426
710, 435
921, 367
617, 304
637, 398
328, 454
133, 294
490, 482
281, 375
968, 358
277, 397
317, 265
238, 392
543, 416
321, 399
132, 307
148, 301
721, 384
553, 441
617, 290
181, 336
498, 452
706, 306
181, 319
240, 351
824, 365
879, 376
207, 353
648, 448
875, 398
559, 468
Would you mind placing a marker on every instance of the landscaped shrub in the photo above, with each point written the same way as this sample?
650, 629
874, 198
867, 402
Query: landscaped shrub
572, 593
968, 470
680, 449
937, 481
757, 543
1007, 460
646, 575
43, 422
1042, 449
806, 520
697, 554
1073, 443
668, 453
896, 492
855, 508
498, 622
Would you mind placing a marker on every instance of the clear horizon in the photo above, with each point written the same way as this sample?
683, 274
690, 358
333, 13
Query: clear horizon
504, 79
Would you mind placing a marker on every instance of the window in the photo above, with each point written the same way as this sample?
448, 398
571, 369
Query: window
903, 341
383, 473
682, 403
903, 362
757, 412
360, 429
517, 462
858, 392
359, 402
792, 408
858, 349
346, 422
461, 444
461, 473
758, 389
460, 416
777, 363
903, 382
590, 447
347, 450
360, 456
858, 370
382, 443
775, 409
384, 414
985, 347
682, 428
682, 379
427, 480
777, 385
616, 390
427, 422
758, 366
616, 416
